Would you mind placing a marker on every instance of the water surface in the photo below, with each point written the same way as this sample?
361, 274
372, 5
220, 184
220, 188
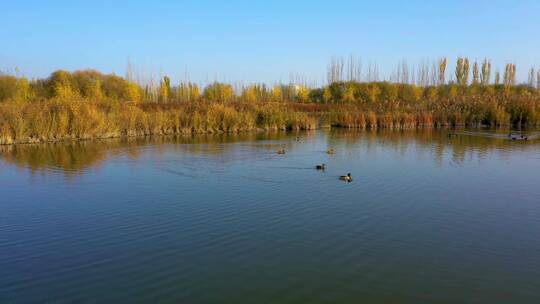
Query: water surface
225, 219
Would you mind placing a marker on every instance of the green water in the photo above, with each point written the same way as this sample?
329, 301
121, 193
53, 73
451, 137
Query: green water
224, 219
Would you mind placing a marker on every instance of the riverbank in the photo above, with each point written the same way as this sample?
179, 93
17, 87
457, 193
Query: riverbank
89, 105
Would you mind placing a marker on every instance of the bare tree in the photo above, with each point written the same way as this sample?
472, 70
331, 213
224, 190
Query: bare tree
531, 78
335, 70
129, 71
402, 73
423, 73
434, 74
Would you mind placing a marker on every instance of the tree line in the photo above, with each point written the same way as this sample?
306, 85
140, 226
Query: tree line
346, 83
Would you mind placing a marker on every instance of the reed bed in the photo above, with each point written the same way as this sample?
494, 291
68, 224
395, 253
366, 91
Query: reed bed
56, 119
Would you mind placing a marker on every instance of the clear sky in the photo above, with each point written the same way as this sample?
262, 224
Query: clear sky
265, 41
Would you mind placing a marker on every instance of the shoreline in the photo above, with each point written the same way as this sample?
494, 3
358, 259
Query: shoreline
67, 139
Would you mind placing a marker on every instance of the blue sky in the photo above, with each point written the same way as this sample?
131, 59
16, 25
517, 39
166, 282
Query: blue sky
260, 41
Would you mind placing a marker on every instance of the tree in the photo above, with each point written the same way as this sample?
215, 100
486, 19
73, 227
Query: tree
255, 92
373, 92
335, 70
476, 73
194, 92
94, 90
486, 72
88, 83
531, 78
22, 89
164, 89
114, 87
442, 70
133, 92
8, 87
327, 95
63, 85
510, 74
302, 93
348, 95
462, 71
219, 92
249, 94
187, 92
277, 93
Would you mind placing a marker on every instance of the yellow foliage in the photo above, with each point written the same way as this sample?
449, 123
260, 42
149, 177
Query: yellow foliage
302, 93
133, 92
277, 93
327, 95
249, 94
219, 92
348, 96
64, 91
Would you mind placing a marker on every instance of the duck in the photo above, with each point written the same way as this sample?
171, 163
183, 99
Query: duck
347, 177
320, 167
281, 151
514, 136
330, 151
297, 138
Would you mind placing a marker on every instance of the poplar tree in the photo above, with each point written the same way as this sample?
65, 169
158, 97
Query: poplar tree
277, 93
462, 71
219, 92
302, 93
531, 77
510, 74
476, 73
165, 89
442, 70
133, 92
486, 72
22, 89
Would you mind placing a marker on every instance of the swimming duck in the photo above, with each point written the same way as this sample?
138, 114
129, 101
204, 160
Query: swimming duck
281, 151
347, 177
320, 167
330, 151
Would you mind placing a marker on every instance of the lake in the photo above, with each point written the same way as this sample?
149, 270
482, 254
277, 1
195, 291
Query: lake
428, 218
